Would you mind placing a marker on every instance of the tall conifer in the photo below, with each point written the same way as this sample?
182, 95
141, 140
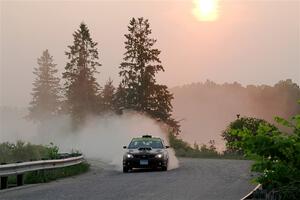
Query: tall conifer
81, 88
46, 89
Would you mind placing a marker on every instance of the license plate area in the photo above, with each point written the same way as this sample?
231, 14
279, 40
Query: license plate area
144, 162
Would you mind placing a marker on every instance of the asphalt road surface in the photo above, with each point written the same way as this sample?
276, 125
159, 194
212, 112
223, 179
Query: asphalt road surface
201, 179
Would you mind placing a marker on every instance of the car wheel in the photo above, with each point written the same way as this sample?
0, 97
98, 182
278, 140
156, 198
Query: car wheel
125, 169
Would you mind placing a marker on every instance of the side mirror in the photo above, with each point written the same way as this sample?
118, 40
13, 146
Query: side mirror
167, 147
124, 147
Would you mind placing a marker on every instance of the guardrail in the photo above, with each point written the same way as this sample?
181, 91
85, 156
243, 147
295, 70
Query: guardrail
19, 169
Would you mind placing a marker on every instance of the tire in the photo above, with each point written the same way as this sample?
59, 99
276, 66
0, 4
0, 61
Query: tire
164, 168
125, 169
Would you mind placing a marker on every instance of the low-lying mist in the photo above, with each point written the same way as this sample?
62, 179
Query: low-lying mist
101, 137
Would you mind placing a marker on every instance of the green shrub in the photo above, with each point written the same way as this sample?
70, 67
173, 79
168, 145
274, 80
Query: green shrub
252, 125
52, 151
276, 154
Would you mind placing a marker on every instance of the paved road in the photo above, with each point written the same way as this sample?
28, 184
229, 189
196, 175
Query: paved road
206, 179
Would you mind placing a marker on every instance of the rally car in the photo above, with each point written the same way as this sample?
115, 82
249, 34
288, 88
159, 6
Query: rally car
146, 152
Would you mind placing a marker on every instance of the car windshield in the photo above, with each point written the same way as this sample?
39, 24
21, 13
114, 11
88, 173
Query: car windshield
145, 143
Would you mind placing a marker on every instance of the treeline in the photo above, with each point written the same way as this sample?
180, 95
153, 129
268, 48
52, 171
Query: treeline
205, 109
263, 101
79, 94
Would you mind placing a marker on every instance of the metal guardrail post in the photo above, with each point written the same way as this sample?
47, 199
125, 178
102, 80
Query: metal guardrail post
20, 179
4, 182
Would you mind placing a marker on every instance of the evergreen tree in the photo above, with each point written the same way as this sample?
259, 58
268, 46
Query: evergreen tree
138, 69
82, 90
120, 99
108, 96
45, 95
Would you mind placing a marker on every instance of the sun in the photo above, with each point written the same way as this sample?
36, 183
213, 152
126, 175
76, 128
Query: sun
206, 10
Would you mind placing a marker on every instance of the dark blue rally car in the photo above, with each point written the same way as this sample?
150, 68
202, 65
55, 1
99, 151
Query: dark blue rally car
146, 152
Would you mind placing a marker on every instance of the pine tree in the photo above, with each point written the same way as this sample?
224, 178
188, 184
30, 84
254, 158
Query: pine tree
120, 99
108, 97
138, 69
82, 90
46, 90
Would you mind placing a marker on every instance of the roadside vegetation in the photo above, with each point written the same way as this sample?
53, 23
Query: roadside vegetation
25, 151
184, 149
249, 123
275, 150
22, 152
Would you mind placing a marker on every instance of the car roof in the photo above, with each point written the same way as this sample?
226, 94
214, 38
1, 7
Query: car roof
147, 138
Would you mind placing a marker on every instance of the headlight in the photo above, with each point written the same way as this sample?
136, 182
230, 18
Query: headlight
159, 155
129, 155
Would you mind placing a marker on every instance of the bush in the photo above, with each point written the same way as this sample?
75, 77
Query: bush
252, 125
276, 154
53, 151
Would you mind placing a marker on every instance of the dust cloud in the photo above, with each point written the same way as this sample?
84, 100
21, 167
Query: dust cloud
101, 137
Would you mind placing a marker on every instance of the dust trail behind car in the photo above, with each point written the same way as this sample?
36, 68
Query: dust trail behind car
101, 137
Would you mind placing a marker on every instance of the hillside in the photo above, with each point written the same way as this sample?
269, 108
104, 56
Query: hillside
205, 109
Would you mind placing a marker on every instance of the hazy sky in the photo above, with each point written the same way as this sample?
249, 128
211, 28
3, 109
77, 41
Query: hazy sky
252, 42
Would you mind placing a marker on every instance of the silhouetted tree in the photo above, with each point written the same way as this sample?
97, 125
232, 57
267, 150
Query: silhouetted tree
108, 95
287, 93
212, 146
141, 64
81, 88
120, 99
46, 89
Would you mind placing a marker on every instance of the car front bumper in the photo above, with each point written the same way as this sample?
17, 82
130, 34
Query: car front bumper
152, 163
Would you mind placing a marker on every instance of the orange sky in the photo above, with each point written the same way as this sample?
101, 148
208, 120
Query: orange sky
252, 42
